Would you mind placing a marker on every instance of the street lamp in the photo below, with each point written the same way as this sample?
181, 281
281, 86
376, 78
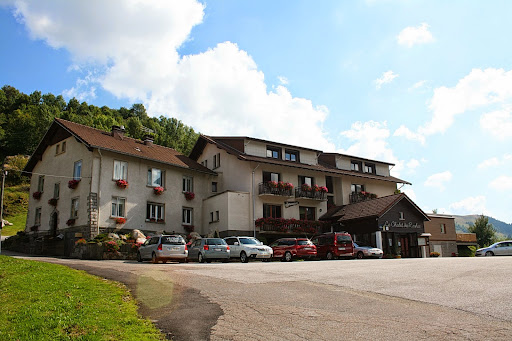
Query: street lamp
4, 173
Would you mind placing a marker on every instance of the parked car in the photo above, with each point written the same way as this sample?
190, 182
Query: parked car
163, 248
289, 248
208, 249
334, 245
248, 247
363, 251
503, 248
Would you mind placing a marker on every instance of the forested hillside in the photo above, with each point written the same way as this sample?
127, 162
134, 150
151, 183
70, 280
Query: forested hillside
462, 223
25, 118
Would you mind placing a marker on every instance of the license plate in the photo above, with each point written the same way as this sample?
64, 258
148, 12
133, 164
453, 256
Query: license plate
341, 248
175, 248
217, 249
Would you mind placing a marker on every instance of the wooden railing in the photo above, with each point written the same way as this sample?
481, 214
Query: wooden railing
311, 194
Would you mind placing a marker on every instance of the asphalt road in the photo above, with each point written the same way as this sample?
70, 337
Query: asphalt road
395, 299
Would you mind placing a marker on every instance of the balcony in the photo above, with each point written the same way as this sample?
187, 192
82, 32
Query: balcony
289, 226
275, 188
355, 197
310, 194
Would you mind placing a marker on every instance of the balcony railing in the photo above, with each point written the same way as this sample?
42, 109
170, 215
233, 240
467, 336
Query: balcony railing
310, 194
355, 197
266, 188
291, 226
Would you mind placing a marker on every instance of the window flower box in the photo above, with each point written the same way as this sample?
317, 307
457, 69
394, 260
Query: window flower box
189, 195
81, 241
158, 190
305, 187
53, 201
315, 188
435, 254
34, 228
70, 222
160, 220
120, 220
324, 189
37, 195
73, 183
272, 184
122, 184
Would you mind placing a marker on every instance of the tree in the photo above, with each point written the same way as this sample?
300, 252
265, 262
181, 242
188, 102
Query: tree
485, 232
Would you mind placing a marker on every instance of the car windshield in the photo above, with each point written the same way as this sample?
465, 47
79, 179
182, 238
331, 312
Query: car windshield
304, 242
173, 240
249, 241
343, 238
215, 241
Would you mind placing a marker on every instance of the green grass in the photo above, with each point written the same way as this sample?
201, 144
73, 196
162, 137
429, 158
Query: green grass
42, 301
18, 224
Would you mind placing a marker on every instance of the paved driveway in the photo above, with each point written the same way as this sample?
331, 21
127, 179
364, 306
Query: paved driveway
396, 299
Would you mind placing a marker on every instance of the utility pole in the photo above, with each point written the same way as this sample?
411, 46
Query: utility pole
4, 173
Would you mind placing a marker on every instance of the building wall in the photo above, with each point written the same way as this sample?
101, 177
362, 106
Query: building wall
58, 168
444, 243
234, 212
257, 148
445, 248
344, 162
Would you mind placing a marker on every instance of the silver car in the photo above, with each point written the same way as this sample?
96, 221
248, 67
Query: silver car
163, 248
503, 248
208, 249
248, 247
361, 251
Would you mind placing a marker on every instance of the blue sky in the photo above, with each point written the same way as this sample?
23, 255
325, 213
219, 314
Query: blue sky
426, 85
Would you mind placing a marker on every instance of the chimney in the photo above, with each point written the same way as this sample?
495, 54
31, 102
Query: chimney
118, 131
148, 140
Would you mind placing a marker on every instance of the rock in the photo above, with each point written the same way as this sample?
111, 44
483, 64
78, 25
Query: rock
114, 236
6, 223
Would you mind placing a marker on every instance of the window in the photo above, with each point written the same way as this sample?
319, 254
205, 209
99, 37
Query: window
217, 216
307, 213
355, 188
63, 149
57, 149
155, 177
291, 155
77, 170
56, 190
214, 187
355, 166
205, 163
329, 184
214, 217
118, 207
274, 152
216, 161
306, 180
74, 208
401, 216
120, 170
40, 184
271, 211
269, 176
369, 168
443, 228
188, 184
186, 216
155, 212
37, 218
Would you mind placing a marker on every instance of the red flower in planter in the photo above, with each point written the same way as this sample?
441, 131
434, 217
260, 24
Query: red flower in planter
37, 195
121, 183
272, 184
70, 222
73, 183
53, 201
305, 187
288, 186
120, 220
315, 188
189, 195
158, 190
324, 189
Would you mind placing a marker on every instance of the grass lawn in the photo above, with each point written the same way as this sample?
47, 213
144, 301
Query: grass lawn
18, 224
42, 301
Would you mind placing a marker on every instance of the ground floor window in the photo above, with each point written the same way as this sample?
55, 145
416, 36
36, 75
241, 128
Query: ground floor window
307, 213
74, 208
155, 212
187, 216
37, 220
271, 211
118, 207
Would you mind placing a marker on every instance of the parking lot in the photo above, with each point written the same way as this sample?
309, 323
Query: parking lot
389, 299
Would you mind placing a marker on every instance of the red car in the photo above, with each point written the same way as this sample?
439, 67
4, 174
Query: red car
334, 245
289, 248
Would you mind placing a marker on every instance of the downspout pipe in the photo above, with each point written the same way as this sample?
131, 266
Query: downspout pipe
254, 202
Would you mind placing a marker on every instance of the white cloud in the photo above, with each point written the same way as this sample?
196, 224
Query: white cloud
283, 80
410, 36
387, 77
370, 141
418, 85
502, 183
498, 124
134, 45
410, 135
470, 205
412, 164
489, 163
439, 180
410, 192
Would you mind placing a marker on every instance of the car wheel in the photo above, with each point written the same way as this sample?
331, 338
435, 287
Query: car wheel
154, 259
489, 253
360, 255
287, 257
200, 258
139, 257
244, 258
329, 256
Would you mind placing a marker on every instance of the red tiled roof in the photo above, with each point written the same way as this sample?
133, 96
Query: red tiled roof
95, 138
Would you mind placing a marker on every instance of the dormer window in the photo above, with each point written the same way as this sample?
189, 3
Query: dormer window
369, 168
356, 166
291, 155
274, 152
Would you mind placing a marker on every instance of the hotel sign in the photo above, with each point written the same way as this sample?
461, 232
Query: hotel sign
400, 224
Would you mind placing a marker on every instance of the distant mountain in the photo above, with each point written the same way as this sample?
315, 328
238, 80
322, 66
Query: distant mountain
462, 223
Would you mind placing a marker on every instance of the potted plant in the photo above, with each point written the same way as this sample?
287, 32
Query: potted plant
53, 202
158, 190
288, 186
435, 254
189, 195
189, 228
37, 195
70, 222
73, 183
305, 187
34, 228
272, 184
121, 183
324, 189
120, 220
